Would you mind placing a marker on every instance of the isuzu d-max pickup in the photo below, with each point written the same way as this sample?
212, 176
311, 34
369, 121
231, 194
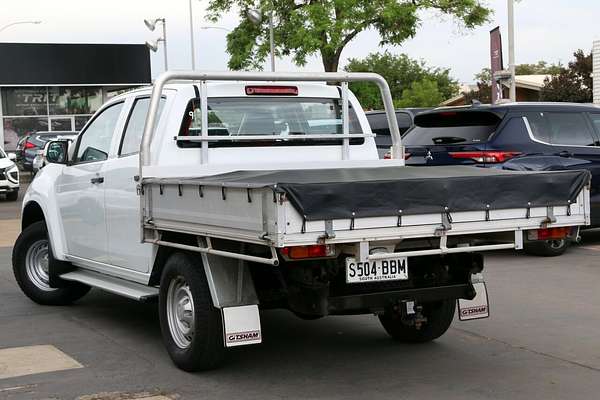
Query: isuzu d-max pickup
222, 194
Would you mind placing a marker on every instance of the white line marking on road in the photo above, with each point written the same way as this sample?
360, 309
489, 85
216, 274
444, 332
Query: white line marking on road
20, 361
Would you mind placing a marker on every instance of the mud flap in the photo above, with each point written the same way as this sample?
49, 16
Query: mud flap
241, 325
478, 307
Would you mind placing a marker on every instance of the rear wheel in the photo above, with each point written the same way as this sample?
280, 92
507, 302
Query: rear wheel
439, 316
547, 248
31, 257
191, 326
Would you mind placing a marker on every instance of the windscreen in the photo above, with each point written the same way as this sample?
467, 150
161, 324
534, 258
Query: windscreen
281, 116
452, 128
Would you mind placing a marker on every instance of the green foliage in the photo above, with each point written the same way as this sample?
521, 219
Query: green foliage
541, 68
401, 73
325, 27
573, 84
423, 93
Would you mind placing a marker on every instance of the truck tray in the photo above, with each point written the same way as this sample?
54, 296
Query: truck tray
291, 206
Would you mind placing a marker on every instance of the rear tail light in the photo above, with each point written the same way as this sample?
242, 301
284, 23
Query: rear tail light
311, 251
549, 233
29, 145
484, 156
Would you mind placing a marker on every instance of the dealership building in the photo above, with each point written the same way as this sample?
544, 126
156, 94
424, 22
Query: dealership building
57, 87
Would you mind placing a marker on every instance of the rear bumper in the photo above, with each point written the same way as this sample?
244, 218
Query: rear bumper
372, 301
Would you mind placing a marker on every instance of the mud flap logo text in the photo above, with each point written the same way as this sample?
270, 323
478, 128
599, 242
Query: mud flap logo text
238, 337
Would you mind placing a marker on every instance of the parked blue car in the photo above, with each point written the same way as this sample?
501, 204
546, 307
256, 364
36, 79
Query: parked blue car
515, 136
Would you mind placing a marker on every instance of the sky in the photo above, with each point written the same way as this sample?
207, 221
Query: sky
549, 30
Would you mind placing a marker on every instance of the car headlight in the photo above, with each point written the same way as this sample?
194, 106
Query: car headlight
13, 174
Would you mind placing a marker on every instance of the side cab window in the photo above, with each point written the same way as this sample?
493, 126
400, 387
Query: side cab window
134, 127
94, 142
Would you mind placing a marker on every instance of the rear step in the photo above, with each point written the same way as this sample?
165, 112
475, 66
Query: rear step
111, 284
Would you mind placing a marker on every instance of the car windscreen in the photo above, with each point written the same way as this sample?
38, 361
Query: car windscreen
281, 116
450, 127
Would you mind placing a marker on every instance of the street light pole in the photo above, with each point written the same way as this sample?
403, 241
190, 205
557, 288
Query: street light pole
151, 24
256, 16
19, 23
511, 50
272, 39
164, 28
192, 37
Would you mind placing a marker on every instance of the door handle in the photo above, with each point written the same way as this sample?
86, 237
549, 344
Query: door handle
97, 180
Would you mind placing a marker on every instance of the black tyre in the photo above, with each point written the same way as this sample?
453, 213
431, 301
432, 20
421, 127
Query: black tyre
439, 317
547, 248
12, 196
191, 326
31, 256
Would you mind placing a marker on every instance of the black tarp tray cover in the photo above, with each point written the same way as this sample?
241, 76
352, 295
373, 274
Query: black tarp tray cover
338, 193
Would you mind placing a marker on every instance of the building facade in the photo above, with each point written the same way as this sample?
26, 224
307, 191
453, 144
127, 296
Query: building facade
57, 87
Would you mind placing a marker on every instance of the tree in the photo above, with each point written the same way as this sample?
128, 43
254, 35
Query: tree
573, 84
401, 72
423, 93
541, 68
324, 27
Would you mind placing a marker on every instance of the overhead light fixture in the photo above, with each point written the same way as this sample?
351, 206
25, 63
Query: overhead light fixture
151, 23
152, 45
255, 16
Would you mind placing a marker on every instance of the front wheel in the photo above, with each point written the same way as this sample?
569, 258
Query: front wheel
191, 326
547, 248
439, 316
31, 257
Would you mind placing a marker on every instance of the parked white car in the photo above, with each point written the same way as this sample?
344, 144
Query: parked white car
9, 176
267, 191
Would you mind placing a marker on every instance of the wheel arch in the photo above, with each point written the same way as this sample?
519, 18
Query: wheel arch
32, 212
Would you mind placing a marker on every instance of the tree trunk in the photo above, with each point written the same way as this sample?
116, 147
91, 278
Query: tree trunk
330, 62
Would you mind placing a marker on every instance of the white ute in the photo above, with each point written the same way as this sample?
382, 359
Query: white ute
225, 193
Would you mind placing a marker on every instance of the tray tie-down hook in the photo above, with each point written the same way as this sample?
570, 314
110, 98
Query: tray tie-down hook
329, 233
446, 223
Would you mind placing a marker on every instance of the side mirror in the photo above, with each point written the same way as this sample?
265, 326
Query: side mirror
12, 156
56, 152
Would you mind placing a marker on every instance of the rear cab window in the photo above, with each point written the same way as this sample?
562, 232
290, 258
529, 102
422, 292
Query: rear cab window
267, 116
452, 127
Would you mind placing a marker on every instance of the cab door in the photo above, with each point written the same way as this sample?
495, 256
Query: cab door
122, 204
80, 188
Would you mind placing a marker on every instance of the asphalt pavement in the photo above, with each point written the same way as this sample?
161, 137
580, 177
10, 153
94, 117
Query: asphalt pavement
542, 341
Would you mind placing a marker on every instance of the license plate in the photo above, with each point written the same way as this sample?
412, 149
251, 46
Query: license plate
393, 269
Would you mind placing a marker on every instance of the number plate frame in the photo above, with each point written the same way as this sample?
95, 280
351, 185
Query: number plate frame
379, 267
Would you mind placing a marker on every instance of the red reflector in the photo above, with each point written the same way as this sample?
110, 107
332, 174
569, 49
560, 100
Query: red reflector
553, 233
271, 90
29, 145
485, 156
312, 251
